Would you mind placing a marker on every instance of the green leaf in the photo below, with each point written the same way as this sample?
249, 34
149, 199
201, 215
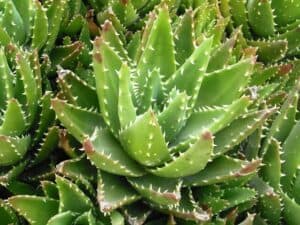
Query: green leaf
286, 11
261, 18
14, 121
13, 149
40, 27
184, 37
162, 191
71, 197
48, 144
290, 157
29, 84
173, 116
13, 23
213, 119
159, 50
126, 109
143, 140
106, 64
189, 162
225, 85
114, 192
270, 51
290, 210
105, 152
189, 76
216, 172
238, 130
55, 17
7, 215
79, 122
77, 91
30, 207
64, 218
271, 170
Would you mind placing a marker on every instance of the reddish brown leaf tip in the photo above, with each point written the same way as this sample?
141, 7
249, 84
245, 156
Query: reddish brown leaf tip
88, 146
207, 135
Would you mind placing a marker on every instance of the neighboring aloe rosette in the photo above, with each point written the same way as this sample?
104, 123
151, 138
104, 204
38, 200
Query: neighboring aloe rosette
28, 134
171, 111
272, 26
278, 181
56, 28
63, 202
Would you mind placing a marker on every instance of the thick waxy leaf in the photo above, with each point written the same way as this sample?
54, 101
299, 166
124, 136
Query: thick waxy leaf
79, 122
290, 210
29, 84
225, 85
55, 17
106, 153
159, 49
187, 208
86, 218
136, 213
48, 144
107, 63
71, 197
162, 191
13, 23
285, 120
184, 37
173, 117
110, 35
221, 55
6, 81
286, 11
270, 51
50, 189
126, 109
271, 170
12, 149
291, 157
269, 202
36, 210
64, 218
260, 17
216, 172
46, 119
239, 129
293, 40
7, 215
213, 119
238, 195
64, 55
189, 162
40, 27
144, 141
189, 76
77, 91
77, 168
113, 192
239, 15
14, 121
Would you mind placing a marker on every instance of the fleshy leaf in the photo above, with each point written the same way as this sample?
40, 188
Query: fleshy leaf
144, 141
30, 207
189, 162
107, 154
114, 192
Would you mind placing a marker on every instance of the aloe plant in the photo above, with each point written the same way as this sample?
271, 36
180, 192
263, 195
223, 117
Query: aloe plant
169, 112
165, 117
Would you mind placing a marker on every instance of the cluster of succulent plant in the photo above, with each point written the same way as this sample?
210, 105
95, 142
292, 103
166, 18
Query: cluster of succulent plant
157, 112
